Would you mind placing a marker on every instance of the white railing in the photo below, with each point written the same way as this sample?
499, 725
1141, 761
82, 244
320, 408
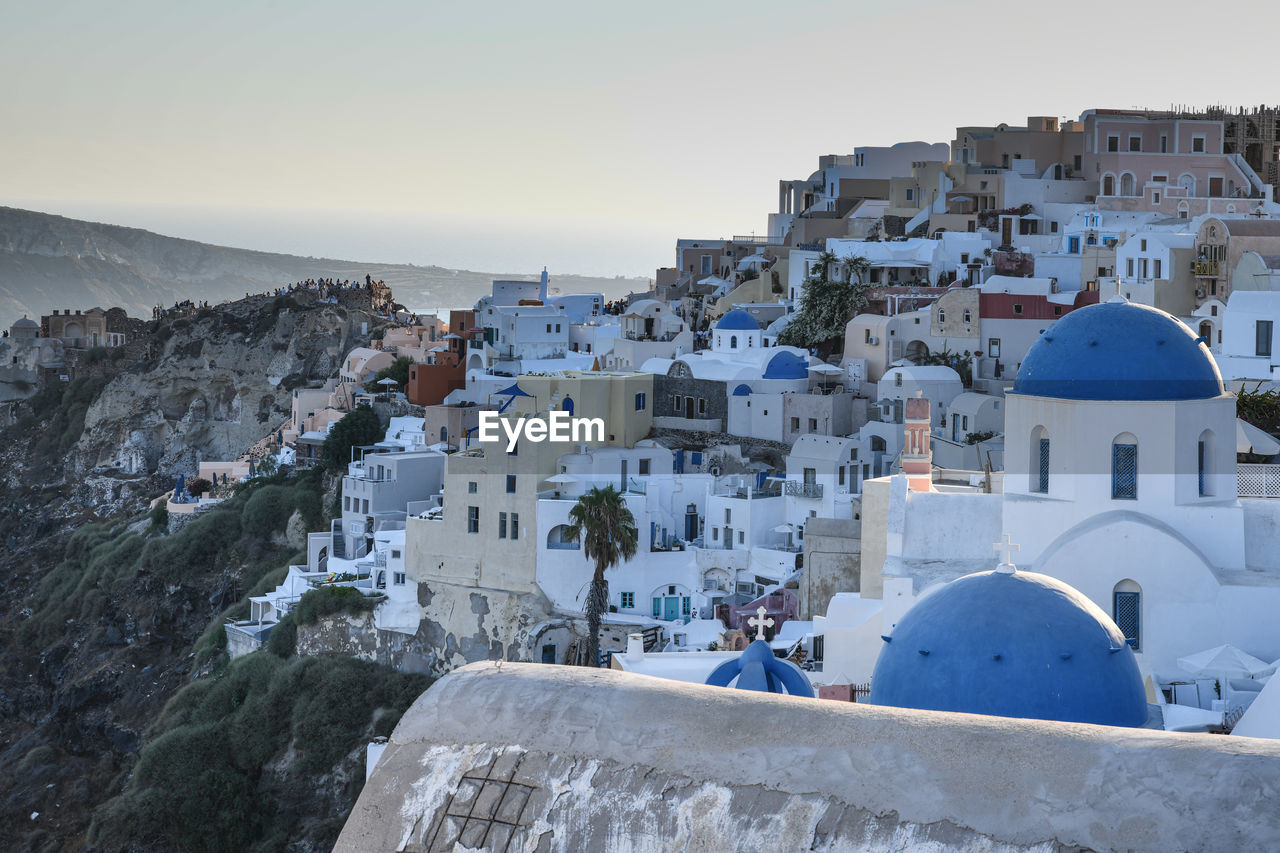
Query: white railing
1258, 481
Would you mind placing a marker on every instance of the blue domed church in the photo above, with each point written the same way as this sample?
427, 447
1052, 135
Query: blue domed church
1120, 481
1011, 644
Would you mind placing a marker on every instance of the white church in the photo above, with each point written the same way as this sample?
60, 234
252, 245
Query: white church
1121, 480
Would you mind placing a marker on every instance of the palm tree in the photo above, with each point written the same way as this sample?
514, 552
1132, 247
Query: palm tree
606, 529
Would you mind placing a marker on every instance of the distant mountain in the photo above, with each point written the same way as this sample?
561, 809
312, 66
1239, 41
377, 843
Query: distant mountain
50, 262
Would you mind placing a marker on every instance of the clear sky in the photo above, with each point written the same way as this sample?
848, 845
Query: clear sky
586, 136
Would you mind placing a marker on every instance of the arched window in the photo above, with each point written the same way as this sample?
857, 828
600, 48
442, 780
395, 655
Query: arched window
968, 316
1124, 467
557, 540
942, 315
1204, 463
444, 434
1127, 183
733, 342
1040, 460
567, 405
1126, 610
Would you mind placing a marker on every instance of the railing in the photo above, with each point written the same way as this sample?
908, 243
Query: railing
1204, 268
1258, 481
803, 490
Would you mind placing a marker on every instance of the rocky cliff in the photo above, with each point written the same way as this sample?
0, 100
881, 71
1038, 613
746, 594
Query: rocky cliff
212, 385
106, 616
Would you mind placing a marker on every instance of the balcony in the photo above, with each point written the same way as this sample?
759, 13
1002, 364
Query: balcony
803, 490
1204, 268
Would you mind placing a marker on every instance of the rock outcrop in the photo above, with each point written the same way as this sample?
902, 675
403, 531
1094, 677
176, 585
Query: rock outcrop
219, 383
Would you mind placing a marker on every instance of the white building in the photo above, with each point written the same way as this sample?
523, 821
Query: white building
1121, 480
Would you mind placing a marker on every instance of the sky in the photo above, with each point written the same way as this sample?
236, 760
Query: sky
505, 136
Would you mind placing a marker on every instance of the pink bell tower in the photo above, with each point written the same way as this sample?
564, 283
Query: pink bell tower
917, 457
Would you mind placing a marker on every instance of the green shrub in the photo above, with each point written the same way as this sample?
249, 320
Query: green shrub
358, 428
327, 600
283, 639
159, 517
200, 784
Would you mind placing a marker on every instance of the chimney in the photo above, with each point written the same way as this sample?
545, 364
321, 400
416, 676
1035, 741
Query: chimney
635, 647
917, 458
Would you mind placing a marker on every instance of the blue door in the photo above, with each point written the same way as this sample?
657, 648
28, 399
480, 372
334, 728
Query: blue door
671, 608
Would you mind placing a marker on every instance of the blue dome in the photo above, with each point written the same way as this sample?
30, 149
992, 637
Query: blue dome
743, 390
787, 365
1011, 645
758, 669
1119, 351
738, 320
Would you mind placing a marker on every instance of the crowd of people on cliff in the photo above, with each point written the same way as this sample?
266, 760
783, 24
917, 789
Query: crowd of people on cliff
328, 288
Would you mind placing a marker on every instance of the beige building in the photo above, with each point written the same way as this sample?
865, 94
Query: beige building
1220, 243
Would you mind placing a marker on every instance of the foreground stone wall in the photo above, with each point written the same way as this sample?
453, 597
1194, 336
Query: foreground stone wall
534, 758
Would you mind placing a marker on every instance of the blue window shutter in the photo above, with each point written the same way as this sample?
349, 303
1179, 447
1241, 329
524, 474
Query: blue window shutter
1124, 471
1044, 465
1127, 608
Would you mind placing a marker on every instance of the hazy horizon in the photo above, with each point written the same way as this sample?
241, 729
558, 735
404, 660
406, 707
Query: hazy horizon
582, 138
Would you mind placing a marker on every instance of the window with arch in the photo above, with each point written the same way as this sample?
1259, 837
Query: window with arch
1126, 610
444, 434
1124, 467
1040, 460
942, 315
1127, 184
1204, 463
968, 316
733, 342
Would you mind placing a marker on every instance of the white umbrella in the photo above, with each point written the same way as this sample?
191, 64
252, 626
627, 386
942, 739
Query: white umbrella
785, 527
1224, 662
1250, 439
825, 369
563, 479
388, 381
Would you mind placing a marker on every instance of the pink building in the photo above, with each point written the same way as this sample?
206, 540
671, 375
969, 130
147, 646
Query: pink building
1172, 166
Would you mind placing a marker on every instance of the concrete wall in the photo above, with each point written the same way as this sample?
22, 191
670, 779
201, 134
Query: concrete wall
460, 625
832, 562
561, 758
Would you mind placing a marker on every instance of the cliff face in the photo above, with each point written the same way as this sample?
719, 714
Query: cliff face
98, 628
219, 382
50, 262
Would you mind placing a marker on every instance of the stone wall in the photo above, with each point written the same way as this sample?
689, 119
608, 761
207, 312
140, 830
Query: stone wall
460, 625
832, 561
529, 758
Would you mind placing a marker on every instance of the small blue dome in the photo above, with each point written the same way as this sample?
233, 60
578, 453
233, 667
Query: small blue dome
1011, 645
758, 669
787, 365
1119, 351
738, 320
743, 390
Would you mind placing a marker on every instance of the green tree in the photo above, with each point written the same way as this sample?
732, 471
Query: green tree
831, 295
398, 370
357, 428
606, 529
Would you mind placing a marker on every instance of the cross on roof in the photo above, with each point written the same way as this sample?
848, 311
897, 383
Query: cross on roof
760, 622
1005, 549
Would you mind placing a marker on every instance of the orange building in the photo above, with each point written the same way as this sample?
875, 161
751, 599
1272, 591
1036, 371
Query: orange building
430, 383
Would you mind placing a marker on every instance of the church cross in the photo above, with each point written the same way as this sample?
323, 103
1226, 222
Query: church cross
1005, 549
760, 622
